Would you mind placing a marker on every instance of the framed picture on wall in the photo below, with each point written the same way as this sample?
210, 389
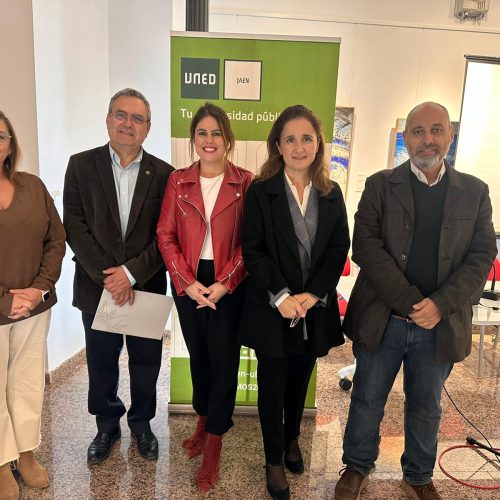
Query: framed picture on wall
452, 152
400, 154
343, 126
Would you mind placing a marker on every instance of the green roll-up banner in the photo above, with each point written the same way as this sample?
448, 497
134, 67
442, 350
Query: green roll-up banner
253, 78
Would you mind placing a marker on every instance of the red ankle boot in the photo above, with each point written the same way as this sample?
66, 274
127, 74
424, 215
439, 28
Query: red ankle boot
195, 444
208, 475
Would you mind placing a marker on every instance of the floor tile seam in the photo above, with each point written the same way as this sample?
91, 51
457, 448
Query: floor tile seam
464, 474
466, 471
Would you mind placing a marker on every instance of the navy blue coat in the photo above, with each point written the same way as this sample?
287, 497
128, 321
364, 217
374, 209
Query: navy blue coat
271, 255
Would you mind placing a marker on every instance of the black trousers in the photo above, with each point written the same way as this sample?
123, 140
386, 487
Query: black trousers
214, 351
103, 351
282, 394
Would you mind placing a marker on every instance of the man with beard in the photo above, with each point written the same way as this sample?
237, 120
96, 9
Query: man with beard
424, 240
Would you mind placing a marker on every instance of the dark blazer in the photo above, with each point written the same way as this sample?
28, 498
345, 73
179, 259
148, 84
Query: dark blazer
271, 255
382, 240
92, 223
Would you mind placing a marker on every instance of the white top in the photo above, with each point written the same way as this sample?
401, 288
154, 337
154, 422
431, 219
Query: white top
305, 196
210, 187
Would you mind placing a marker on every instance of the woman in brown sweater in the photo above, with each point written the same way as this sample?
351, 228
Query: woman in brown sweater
31, 251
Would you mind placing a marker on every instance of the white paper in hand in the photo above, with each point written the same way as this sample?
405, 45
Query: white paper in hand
146, 317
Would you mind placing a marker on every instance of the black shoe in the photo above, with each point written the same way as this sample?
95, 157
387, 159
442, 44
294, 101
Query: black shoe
100, 447
296, 466
147, 444
276, 494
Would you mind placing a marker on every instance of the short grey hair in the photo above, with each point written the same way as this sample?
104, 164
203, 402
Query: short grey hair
128, 92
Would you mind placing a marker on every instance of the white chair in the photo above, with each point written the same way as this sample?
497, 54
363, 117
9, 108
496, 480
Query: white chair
346, 373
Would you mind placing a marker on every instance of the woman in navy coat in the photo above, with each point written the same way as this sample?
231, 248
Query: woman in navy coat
295, 240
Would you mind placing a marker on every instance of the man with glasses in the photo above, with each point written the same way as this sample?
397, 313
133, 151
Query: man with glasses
112, 200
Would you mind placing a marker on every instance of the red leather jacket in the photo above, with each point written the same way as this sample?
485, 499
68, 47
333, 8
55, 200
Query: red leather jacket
182, 227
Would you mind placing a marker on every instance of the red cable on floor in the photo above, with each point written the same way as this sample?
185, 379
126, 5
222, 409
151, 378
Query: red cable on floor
464, 483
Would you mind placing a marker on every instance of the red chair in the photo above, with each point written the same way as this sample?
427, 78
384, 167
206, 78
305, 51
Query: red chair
347, 267
496, 272
341, 301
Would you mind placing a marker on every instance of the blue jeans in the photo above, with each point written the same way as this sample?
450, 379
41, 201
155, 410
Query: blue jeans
424, 377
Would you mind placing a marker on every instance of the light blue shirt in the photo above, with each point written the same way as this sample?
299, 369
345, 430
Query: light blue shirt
125, 181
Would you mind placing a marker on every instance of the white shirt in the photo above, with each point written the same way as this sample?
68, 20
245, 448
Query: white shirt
305, 196
421, 176
210, 187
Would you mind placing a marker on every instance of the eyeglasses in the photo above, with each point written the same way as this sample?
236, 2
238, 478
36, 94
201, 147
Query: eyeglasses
4, 136
296, 319
122, 117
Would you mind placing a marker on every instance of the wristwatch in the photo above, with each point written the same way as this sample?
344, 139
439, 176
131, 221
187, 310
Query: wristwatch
45, 295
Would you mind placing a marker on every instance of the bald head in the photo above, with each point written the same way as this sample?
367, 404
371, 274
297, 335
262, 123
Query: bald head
428, 136
425, 106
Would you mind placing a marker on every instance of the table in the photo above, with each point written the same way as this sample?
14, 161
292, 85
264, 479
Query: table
345, 286
483, 317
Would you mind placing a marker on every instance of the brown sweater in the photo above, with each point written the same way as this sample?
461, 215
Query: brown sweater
32, 243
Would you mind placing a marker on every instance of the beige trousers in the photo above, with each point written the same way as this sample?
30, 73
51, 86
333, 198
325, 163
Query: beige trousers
22, 381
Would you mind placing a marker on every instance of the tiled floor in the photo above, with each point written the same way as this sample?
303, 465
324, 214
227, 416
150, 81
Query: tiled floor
68, 430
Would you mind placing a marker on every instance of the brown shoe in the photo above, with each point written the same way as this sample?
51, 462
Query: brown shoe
350, 484
33, 474
9, 489
421, 491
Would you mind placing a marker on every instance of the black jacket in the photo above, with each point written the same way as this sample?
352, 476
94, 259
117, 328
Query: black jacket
382, 240
92, 224
271, 256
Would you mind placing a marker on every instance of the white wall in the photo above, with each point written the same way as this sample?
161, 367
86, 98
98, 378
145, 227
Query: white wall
179, 15
393, 55
79, 54
84, 52
139, 57
72, 86
17, 81
410, 13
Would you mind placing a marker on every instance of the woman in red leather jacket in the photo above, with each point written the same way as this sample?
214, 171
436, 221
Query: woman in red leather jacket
199, 239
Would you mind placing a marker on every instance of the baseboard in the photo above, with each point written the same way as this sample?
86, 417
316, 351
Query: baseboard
238, 410
66, 367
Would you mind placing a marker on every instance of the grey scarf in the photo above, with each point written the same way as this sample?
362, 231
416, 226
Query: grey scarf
305, 231
305, 227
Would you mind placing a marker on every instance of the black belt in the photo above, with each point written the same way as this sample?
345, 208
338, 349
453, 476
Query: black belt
408, 320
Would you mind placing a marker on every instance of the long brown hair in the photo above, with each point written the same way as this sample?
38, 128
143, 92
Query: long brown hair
11, 162
319, 169
209, 109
